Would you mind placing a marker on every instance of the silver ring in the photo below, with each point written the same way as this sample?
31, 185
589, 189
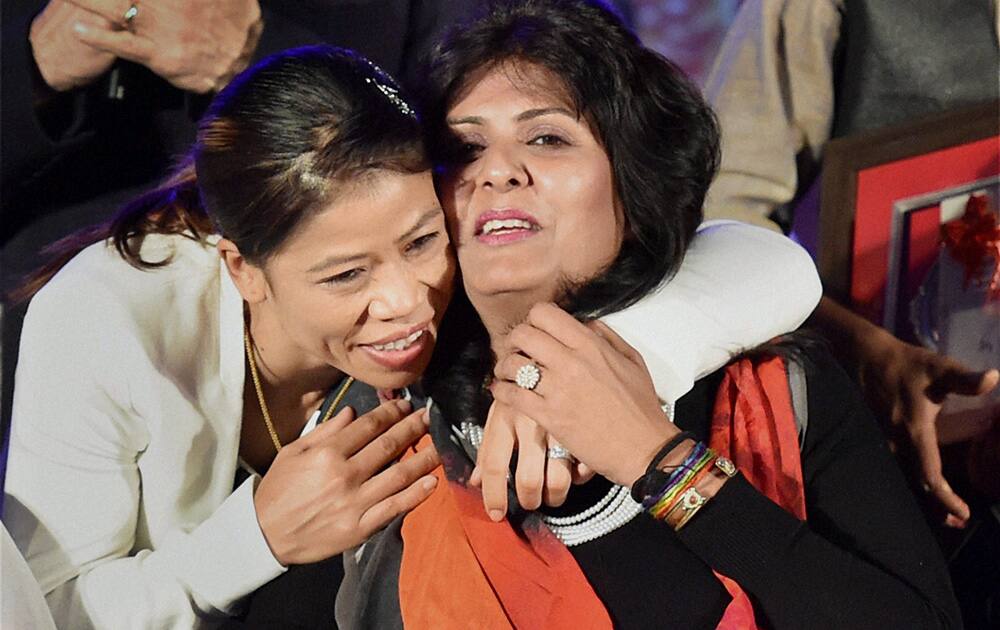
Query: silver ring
528, 376
558, 452
129, 17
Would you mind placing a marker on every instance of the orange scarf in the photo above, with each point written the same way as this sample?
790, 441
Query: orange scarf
502, 577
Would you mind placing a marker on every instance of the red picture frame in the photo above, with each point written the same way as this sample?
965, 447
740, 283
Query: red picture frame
880, 204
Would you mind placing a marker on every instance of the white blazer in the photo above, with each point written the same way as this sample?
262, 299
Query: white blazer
125, 438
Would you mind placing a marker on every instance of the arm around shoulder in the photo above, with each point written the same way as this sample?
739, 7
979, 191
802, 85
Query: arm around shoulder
739, 286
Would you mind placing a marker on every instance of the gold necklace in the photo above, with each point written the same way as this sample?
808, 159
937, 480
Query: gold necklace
260, 391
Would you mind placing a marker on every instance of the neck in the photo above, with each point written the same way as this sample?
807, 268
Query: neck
289, 379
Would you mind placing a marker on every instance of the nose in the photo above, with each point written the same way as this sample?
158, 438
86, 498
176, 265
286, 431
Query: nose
501, 170
397, 294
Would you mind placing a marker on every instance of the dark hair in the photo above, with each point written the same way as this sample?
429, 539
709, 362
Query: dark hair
272, 149
659, 134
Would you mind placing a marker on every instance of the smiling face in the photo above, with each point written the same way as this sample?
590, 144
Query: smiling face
535, 208
362, 285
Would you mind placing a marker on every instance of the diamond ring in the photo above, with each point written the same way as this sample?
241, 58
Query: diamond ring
129, 17
528, 376
558, 452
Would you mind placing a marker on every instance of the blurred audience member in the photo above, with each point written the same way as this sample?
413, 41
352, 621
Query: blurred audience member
793, 74
787, 80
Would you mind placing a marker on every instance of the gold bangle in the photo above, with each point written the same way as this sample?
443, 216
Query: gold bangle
673, 508
690, 502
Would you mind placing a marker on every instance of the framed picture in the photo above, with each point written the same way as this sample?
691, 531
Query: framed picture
885, 195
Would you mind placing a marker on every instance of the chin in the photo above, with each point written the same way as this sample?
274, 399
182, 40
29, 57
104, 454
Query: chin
381, 377
502, 274
532, 290
392, 380
505, 280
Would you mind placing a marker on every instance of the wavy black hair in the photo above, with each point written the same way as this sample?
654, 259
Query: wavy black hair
660, 136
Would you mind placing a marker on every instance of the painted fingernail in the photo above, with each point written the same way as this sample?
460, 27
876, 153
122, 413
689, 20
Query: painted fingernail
496, 515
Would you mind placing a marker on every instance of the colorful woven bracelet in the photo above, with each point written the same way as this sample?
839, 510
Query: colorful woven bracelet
667, 500
696, 460
653, 477
679, 499
676, 476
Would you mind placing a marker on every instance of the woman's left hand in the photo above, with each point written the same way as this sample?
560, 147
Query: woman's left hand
595, 395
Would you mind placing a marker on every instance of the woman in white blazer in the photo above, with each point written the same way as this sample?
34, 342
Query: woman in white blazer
161, 462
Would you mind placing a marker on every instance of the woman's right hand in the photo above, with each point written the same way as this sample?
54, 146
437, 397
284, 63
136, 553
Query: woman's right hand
538, 479
327, 491
595, 395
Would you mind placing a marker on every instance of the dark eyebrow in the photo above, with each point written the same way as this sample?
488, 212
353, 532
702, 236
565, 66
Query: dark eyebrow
525, 115
424, 219
535, 113
333, 261
465, 120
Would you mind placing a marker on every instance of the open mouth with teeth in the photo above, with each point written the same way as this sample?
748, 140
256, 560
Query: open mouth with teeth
505, 226
498, 227
400, 353
399, 344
